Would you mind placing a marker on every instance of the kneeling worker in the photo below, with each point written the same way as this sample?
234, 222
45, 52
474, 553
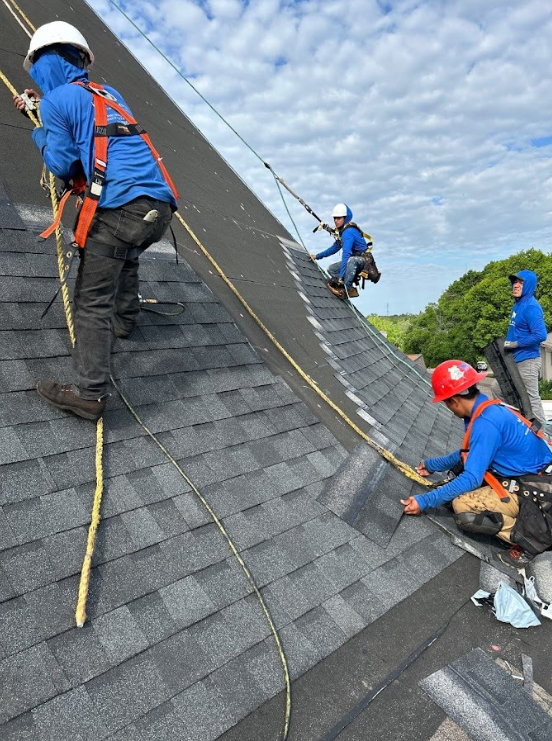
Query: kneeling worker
498, 441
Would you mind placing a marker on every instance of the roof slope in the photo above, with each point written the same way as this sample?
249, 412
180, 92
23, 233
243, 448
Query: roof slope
168, 602
177, 646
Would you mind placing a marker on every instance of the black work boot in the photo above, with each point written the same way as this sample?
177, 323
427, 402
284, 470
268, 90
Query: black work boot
515, 557
62, 396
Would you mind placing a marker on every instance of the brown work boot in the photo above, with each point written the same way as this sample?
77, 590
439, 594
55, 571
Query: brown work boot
515, 557
62, 396
353, 293
336, 290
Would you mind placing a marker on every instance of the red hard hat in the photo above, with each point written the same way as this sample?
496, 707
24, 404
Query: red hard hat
452, 377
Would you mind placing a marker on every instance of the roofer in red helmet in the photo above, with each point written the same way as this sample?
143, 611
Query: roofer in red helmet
497, 441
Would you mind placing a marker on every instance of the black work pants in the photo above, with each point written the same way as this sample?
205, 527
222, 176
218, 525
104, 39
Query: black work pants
106, 290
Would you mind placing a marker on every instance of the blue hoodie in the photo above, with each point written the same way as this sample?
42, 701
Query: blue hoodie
527, 326
352, 242
67, 136
499, 441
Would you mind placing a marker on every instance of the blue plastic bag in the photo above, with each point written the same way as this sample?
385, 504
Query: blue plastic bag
510, 607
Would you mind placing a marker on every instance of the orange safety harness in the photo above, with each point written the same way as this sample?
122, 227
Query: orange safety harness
489, 478
90, 195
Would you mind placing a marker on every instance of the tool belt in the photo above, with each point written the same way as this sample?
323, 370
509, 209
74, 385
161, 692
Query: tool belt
533, 527
369, 271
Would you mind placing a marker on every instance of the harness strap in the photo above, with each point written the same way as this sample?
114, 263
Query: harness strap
119, 129
367, 237
102, 132
489, 478
94, 191
94, 88
56, 222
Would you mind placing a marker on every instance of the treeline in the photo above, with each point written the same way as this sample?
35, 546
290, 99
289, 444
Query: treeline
396, 326
470, 313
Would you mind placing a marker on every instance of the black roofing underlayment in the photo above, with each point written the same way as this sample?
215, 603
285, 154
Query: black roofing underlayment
176, 645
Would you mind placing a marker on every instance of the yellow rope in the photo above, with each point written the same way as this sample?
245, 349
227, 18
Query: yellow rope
235, 553
63, 267
400, 465
80, 614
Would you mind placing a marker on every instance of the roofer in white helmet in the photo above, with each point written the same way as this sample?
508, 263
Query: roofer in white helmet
90, 140
356, 255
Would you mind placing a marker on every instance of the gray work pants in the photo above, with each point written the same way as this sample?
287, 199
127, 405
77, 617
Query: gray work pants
529, 370
106, 289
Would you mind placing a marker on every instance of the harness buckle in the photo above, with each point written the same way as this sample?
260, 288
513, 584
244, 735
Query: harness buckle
96, 188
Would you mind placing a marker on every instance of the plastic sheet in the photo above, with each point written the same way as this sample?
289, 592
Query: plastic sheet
532, 596
510, 607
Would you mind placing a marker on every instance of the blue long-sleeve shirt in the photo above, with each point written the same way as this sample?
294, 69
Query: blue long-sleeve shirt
527, 326
67, 137
500, 442
352, 243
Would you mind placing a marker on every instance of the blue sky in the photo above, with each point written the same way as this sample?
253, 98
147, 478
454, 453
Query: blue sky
431, 120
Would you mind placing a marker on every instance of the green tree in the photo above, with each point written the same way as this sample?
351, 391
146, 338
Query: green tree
475, 309
395, 326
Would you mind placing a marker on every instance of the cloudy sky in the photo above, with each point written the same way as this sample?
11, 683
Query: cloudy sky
432, 119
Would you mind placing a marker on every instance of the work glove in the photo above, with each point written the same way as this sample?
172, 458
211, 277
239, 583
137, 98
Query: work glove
510, 345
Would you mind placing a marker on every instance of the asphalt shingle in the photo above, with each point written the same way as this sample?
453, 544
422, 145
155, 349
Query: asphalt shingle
176, 644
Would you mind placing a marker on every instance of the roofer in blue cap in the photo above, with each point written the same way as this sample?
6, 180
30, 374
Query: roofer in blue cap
88, 136
526, 332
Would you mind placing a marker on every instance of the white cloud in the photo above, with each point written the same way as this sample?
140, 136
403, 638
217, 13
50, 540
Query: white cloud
420, 115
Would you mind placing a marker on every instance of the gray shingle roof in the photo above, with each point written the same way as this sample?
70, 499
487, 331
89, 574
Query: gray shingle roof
486, 701
171, 615
176, 645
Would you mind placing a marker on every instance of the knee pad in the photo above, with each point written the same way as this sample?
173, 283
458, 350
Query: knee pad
486, 523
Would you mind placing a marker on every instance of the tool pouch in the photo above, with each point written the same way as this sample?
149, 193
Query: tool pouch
370, 270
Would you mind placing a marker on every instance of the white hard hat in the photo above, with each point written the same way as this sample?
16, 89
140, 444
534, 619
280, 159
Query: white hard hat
57, 32
339, 210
